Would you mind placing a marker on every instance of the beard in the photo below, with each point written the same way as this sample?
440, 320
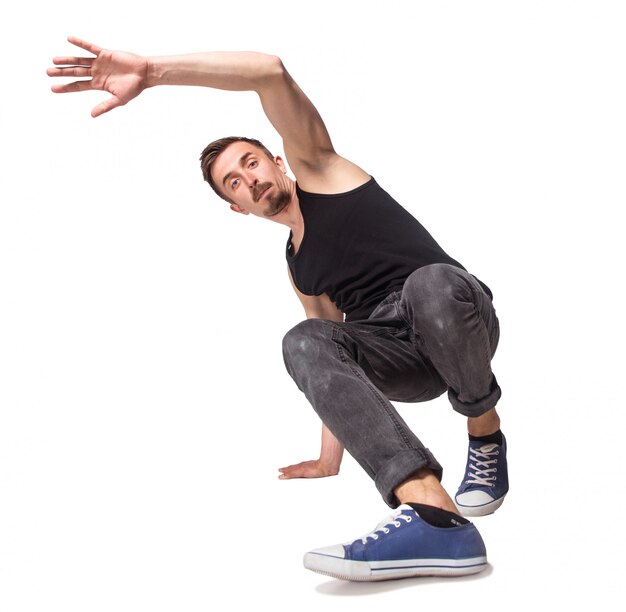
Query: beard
277, 201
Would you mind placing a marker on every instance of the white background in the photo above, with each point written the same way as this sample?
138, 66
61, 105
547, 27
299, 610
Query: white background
144, 404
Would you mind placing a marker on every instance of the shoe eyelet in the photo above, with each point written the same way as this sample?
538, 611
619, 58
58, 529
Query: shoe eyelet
409, 519
385, 530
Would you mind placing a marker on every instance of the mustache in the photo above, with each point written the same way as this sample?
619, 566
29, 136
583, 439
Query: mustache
259, 189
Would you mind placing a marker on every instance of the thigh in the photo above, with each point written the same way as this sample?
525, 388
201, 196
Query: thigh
387, 353
444, 299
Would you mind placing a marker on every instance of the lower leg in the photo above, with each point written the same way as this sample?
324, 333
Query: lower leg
485, 424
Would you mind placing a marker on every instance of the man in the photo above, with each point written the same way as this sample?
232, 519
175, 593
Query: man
390, 316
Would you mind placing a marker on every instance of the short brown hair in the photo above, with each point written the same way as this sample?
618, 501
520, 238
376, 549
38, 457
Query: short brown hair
211, 152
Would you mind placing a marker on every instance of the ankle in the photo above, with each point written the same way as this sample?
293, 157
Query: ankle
484, 425
423, 487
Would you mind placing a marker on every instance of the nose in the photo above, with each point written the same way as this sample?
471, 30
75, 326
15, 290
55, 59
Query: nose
251, 179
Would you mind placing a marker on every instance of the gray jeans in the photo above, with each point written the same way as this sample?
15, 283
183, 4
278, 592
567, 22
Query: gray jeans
438, 334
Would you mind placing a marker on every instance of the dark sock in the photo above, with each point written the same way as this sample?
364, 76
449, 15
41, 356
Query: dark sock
438, 517
494, 438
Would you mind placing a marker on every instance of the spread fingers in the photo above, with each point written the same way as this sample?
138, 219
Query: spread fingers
71, 87
83, 44
70, 71
73, 61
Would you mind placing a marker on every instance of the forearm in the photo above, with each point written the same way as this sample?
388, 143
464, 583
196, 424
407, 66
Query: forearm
332, 451
234, 71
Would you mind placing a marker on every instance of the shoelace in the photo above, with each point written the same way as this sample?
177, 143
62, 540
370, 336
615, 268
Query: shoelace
482, 463
384, 525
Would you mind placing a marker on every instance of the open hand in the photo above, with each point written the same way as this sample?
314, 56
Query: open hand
307, 469
123, 75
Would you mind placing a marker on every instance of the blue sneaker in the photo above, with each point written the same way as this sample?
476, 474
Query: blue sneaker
486, 479
402, 546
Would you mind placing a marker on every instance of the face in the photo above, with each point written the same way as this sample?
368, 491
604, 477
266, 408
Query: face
253, 182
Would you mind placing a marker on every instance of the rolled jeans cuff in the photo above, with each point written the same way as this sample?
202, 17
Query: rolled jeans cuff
403, 465
476, 408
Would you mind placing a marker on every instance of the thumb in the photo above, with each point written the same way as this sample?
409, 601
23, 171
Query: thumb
106, 106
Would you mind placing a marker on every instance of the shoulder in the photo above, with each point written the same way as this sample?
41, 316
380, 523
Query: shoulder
332, 175
354, 195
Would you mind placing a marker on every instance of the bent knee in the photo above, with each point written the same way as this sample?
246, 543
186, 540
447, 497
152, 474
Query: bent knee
435, 276
435, 285
306, 338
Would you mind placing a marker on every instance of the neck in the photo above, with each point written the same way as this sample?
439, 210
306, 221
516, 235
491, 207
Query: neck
292, 216
297, 230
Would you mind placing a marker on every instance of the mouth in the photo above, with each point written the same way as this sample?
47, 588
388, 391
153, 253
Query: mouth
261, 190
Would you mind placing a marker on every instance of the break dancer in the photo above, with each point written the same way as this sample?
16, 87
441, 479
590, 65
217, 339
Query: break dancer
390, 315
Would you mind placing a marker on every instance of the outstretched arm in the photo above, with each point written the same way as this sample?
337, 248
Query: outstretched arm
125, 75
307, 144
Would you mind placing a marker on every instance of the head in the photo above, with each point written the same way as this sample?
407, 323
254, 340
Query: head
243, 172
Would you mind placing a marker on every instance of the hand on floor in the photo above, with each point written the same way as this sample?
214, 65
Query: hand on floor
307, 469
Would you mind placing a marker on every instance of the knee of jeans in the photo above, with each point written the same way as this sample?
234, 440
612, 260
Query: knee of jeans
302, 344
432, 288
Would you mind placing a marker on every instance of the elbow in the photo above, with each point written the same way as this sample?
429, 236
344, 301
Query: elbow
270, 70
274, 66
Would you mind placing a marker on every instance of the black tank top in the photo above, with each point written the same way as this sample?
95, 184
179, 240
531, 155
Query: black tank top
359, 247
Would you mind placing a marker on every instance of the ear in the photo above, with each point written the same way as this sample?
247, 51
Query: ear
236, 208
281, 164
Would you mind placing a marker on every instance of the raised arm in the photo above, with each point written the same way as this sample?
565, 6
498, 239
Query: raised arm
307, 144
292, 114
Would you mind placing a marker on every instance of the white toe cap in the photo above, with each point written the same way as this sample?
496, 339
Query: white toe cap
337, 551
473, 498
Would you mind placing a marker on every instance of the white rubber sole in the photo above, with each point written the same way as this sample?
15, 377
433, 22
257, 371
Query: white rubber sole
364, 571
482, 510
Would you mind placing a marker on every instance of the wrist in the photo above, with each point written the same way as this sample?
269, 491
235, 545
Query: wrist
154, 72
329, 467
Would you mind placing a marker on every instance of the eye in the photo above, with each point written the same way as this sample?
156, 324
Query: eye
253, 164
234, 183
